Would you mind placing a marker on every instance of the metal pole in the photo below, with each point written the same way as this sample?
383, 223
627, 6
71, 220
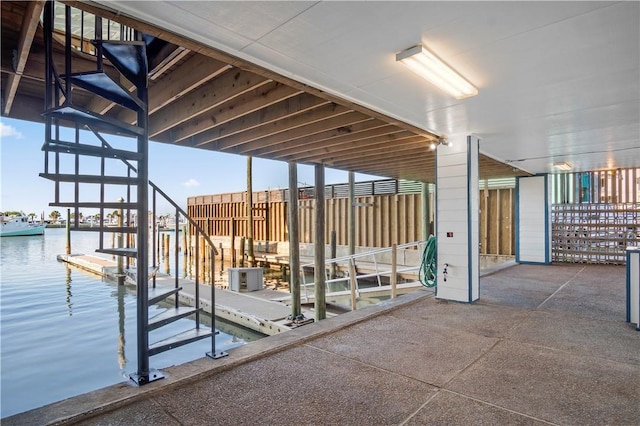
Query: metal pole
142, 260
294, 241
319, 241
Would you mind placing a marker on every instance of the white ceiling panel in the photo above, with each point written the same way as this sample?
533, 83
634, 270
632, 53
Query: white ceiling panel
556, 79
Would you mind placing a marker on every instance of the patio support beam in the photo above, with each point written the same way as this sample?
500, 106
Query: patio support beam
319, 278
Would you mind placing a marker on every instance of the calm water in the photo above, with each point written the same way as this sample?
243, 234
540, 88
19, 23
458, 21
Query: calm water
65, 332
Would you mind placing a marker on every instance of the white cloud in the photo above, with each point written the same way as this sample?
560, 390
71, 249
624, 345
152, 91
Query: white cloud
191, 183
7, 131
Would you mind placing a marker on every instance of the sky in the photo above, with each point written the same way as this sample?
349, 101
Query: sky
180, 172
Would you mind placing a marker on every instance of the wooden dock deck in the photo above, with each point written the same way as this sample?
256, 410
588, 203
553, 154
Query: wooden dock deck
259, 310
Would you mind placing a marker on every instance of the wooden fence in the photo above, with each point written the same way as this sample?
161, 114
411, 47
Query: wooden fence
386, 212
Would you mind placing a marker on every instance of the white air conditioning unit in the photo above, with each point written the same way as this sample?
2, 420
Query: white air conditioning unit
245, 279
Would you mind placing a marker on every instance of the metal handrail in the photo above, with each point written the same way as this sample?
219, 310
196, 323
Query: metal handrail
352, 258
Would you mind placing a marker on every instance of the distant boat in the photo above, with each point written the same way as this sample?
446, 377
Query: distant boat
20, 226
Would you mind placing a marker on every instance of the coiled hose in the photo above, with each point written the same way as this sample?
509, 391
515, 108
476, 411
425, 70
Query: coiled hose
427, 272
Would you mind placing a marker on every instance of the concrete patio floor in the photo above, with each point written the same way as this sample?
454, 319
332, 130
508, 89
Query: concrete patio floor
543, 345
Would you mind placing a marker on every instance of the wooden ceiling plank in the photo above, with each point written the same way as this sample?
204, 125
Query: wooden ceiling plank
25, 40
339, 134
357, 146
317, 126
405, 158
247, 103
232, 83
265, 117
193, 73
272, 129
409, 143
172, 59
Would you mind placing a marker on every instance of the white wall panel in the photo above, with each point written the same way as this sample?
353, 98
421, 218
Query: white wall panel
532, 220
457, 219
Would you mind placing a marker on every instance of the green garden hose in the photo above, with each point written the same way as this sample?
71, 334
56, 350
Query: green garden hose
427, 272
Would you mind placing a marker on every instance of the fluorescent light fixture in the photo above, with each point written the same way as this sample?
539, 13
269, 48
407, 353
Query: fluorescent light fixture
564, 166
430, 67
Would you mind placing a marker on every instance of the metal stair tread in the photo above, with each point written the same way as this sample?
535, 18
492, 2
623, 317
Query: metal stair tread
91, 150
76, 114
123, 229
128, 252
178, 340
96, 205
102, 84
129, 57
157, 294
170, 315
115, 180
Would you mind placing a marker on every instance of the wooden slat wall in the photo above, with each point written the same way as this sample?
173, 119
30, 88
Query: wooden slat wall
381, 220
497, 215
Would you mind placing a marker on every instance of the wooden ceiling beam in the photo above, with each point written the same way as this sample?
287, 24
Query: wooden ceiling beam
255, 123
353, 146
193, 73
271, 129
405, 142
252, 101
323, 141
403, 157
228, 85
25, 40
339, 119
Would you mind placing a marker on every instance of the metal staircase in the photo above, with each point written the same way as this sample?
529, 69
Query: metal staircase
88, 170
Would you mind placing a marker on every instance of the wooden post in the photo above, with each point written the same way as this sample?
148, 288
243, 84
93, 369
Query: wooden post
294, 242
353, 280
267, 221
68, 230
250, 256
319, 241
352, 214
233, 243
332, 243
394, 270
184, 239
425, 211
242, 243
167, 244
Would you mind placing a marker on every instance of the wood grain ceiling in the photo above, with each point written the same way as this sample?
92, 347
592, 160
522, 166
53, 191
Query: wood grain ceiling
206, 99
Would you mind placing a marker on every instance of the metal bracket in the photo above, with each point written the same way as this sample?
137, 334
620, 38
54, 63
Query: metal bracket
217, 354
153, 375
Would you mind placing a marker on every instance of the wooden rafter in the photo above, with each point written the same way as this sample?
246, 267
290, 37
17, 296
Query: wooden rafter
27, 32
229, 84
248, 103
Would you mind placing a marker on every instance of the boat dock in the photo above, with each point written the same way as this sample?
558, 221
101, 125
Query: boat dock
261, 310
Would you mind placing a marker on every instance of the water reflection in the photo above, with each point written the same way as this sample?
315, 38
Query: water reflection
122, 359
68, 290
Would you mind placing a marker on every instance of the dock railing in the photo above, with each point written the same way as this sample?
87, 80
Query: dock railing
374, 264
